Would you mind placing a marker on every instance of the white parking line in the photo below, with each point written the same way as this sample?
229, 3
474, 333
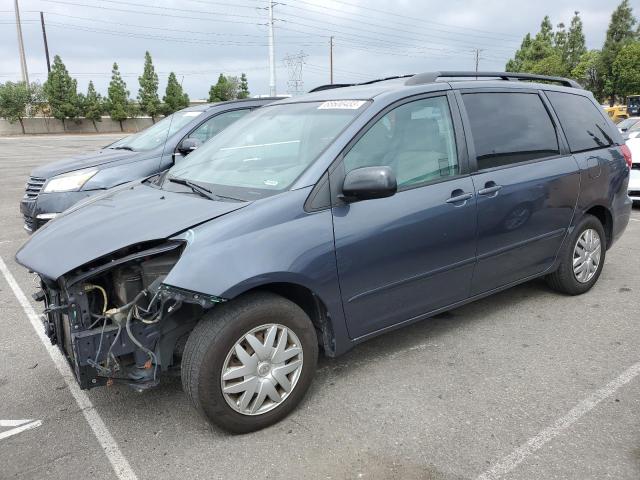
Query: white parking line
20, 426
118, 461
520, 454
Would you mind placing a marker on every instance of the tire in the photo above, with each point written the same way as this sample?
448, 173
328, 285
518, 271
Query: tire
564, 279
211, 347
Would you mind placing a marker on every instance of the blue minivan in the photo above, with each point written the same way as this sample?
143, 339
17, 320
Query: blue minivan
320, 221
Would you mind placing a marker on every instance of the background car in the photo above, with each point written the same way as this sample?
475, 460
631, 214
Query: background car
630, 128
53, 188
634, 179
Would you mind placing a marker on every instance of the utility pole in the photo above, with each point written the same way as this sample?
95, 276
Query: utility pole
23, 61
272, 61
477, 52
46, 45
331, 59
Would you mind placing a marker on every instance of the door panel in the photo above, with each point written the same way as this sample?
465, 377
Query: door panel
521, 226
405, 255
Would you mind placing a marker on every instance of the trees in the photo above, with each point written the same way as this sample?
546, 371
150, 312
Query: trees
626, 69
174, 98
564, 53
148, 92
118, 99
619, 33
226, 89
588, 73
243, 89
93, 106
61, 92
14, 100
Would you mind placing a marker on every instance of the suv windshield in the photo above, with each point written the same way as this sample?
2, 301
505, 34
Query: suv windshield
265, 152
158, 133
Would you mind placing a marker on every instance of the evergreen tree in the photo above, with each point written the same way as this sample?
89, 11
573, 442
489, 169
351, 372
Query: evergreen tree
148, 92
118, 100
619, 33
93, 106
226, 89
575, 46
243, 89
61, 92
174, 98
516, 64
626, 69
14, 100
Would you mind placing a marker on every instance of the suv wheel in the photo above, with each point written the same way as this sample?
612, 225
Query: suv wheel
248, 363
581, 259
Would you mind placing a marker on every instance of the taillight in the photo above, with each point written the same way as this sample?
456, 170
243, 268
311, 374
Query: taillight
626, 152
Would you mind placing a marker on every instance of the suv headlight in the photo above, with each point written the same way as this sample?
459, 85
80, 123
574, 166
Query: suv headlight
69, 182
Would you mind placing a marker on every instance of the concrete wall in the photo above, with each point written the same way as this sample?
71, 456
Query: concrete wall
40, 125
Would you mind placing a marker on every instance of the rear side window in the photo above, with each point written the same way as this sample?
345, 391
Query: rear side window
509, 128
583, 124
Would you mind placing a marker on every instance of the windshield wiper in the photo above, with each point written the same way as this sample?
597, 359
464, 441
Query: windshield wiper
197, 188
124, 147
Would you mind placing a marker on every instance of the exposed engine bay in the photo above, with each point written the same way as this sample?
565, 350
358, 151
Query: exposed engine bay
115, 319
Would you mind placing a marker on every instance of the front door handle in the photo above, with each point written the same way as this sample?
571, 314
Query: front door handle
489, 189
462, 197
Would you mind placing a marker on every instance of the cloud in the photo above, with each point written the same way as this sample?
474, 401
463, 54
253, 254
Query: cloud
198, 39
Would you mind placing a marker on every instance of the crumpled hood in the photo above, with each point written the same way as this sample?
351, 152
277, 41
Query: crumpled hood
87, 160
117, 219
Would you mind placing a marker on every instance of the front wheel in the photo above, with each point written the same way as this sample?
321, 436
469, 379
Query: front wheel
248, 363
581, 259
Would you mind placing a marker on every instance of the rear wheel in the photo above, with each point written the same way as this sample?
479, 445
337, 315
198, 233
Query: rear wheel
248, 363
581, 259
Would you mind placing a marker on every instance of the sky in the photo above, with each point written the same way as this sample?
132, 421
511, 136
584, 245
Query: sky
199, 39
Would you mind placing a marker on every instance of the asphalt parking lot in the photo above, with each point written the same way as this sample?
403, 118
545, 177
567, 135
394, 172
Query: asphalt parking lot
527, 384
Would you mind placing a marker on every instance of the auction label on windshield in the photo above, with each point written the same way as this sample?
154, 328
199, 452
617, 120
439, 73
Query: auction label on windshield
342, 105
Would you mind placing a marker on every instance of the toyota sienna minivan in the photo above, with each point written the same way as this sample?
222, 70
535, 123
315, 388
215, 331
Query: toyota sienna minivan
317, 222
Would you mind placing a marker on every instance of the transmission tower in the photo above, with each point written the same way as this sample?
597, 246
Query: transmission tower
294, 63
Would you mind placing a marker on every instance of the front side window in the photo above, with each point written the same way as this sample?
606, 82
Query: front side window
216, 124
267, 150
157, 134
582, 122
415, 139
509, 128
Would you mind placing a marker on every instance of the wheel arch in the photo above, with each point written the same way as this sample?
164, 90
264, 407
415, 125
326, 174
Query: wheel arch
603, 214
309, 301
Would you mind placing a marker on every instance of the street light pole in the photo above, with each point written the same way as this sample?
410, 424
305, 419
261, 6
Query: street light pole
23, 61
272, 62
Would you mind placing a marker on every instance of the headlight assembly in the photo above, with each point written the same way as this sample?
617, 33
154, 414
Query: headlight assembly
69, 182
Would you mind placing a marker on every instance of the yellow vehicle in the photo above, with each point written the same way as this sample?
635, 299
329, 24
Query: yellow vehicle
621, 112
617, 113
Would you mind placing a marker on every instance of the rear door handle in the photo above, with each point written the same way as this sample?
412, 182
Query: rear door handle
489, 189
460, 198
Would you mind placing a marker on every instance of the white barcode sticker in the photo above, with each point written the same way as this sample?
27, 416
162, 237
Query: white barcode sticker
342, 105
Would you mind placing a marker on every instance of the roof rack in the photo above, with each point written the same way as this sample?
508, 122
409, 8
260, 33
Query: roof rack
430, 77
329, 86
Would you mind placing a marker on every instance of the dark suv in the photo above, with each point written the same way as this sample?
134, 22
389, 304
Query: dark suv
320, 221
54, 187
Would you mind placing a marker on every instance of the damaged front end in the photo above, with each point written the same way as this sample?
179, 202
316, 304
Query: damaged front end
115, 319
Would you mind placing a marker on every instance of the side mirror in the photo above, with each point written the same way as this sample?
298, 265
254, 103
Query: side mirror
188, 145
368, 183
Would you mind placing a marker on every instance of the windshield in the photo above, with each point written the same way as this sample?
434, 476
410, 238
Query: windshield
158, 133
633, 101
628, 124
267, 150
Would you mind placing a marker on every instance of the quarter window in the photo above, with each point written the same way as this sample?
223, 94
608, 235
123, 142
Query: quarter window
415, 139
582, 122
509, 128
